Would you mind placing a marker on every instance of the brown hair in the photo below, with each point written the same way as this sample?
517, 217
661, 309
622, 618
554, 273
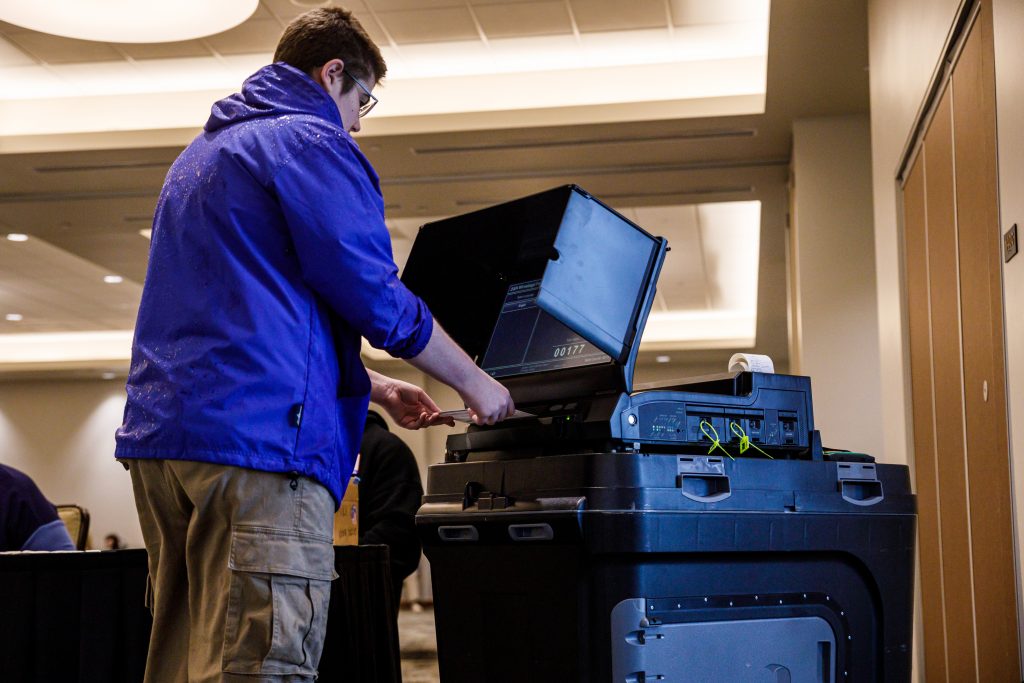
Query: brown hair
320, 35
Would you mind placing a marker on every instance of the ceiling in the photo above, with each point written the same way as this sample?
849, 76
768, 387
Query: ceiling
89, 202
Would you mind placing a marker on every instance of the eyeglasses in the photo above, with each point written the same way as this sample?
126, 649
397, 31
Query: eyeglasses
365, 105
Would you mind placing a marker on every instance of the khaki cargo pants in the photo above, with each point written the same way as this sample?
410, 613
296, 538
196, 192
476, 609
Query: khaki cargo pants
241, 564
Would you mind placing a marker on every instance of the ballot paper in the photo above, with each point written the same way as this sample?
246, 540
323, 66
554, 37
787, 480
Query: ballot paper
464, 416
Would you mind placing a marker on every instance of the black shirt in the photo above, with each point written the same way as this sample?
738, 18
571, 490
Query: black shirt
390, 491
27, 520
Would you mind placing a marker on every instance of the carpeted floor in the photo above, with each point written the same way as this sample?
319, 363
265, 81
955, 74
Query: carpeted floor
418, 645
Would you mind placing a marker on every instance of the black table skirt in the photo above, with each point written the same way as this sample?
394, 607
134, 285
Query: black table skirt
79, 616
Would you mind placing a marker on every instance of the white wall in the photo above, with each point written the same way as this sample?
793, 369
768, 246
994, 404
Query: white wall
905, 40
61, 433
833, 243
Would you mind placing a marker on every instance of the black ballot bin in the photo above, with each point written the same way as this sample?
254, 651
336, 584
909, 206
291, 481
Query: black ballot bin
634, 568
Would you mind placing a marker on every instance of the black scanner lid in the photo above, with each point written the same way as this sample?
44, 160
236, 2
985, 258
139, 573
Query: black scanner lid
591, 270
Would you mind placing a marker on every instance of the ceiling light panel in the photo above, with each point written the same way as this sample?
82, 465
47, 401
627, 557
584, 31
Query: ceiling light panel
127, 21
61, 348
730, 238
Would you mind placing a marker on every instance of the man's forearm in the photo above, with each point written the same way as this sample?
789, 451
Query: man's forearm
446, 362
442, 359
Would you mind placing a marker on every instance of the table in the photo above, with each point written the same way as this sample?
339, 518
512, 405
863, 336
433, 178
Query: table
80, 616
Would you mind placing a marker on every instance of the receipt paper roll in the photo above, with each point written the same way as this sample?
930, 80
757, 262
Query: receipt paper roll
750, 362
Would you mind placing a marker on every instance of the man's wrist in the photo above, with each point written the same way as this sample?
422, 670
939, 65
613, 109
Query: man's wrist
379, 385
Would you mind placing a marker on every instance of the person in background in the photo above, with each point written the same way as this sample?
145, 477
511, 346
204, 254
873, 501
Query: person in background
112, 542
269, 263
28, 521
390, 492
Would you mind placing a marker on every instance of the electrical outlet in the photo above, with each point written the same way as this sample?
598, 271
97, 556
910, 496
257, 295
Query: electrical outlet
1010, 243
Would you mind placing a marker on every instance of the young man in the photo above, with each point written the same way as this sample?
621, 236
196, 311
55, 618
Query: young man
247, 396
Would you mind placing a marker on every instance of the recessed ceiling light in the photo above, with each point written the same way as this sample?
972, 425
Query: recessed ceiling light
113, 279
14, 317
128, 21
17, 237
663, 359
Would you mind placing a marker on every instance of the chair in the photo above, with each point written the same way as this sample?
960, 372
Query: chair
76, 519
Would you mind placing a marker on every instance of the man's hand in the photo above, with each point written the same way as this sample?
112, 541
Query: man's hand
407, 404
488, 400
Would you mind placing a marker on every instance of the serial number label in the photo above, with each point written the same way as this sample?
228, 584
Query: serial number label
566, 350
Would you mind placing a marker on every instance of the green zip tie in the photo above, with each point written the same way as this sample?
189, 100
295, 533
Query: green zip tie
715, 441
745, 441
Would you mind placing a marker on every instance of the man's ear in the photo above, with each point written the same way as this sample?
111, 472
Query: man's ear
331, 72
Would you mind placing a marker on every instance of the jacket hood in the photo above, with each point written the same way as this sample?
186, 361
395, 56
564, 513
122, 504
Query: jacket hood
274, 90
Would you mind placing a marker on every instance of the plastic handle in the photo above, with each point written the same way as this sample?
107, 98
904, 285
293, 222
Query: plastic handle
706, 488
862, 492
531, 532
465, 532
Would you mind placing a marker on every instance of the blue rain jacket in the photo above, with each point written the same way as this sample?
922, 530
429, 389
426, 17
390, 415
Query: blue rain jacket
269, 261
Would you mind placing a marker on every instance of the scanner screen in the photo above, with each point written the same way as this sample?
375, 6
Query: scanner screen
527, 340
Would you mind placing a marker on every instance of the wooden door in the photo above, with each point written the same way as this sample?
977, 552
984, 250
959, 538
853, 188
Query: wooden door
954, 303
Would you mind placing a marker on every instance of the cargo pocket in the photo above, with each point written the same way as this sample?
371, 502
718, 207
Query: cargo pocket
277, 602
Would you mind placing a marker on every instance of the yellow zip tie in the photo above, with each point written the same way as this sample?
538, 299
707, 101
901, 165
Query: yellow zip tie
745, 441
715, 441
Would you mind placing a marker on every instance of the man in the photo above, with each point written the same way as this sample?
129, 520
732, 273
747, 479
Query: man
28, 521
247, 396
